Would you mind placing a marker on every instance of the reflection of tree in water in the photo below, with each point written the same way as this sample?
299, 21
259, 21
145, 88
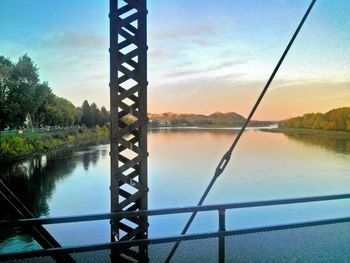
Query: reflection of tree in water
33, 181
86, 161
334, 143
104, 152
95, 155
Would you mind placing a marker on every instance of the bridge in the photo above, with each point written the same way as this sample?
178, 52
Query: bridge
129, 216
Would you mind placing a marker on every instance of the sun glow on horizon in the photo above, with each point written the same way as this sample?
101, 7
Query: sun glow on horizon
200, 60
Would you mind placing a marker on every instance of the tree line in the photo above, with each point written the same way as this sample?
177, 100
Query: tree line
91, 115
337, 119
25, 101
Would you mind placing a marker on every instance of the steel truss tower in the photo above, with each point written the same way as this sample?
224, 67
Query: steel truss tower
128, 105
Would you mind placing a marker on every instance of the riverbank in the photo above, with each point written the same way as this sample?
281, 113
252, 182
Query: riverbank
212, 127
19, 146
325, 133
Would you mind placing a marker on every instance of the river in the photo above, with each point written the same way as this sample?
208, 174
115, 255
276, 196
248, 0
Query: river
181, 163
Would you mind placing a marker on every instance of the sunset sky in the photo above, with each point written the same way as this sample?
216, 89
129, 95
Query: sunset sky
204, 55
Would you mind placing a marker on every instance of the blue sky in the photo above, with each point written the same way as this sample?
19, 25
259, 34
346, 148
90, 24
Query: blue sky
204, 56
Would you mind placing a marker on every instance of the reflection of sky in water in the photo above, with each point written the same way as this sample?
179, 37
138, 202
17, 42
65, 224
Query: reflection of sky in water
264, 166
181, 163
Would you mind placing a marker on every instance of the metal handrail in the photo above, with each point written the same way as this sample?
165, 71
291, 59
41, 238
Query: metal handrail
161, 240
167, 211
220, 234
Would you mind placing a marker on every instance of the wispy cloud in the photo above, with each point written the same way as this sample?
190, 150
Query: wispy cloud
160, 55
185, 31
75, 64
191, 71
75, 40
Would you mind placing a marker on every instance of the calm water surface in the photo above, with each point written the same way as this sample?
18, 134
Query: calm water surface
181, 163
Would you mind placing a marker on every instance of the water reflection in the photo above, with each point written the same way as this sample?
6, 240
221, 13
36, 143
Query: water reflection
181, 163
34, 180
338, 144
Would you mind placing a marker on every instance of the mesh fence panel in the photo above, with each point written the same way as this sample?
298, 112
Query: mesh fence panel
102, 256
202, 250
45, 259
328, 243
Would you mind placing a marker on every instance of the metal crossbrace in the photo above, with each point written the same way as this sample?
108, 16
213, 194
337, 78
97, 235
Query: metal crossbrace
38, 232
226, 158
128, 103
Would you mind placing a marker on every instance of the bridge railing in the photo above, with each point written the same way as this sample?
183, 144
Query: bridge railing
221, 233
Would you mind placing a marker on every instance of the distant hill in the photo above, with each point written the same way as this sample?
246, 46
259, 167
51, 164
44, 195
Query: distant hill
228, 119
337, 119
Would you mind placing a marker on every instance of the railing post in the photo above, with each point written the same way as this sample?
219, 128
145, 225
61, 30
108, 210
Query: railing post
222, 229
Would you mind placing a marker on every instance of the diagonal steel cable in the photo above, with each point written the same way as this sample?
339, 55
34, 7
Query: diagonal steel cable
226, 157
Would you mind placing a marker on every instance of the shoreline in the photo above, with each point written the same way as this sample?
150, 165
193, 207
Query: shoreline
91, 137
325, 133
237, 128
42, 144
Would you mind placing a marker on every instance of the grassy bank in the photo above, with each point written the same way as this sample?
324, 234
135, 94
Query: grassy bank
19, 146
326, 133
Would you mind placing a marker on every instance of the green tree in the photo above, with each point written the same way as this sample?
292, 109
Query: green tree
104, 116
57, 111
41, 94
348, 124
79, 111
86, 116
6, 68
68, 111
23, 96
337, 119
21, 93
95, 114
26, 77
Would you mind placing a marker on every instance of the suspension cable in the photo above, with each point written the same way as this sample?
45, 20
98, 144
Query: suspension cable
226, 157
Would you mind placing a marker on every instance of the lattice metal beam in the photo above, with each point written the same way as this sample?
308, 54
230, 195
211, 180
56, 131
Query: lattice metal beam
128, 104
